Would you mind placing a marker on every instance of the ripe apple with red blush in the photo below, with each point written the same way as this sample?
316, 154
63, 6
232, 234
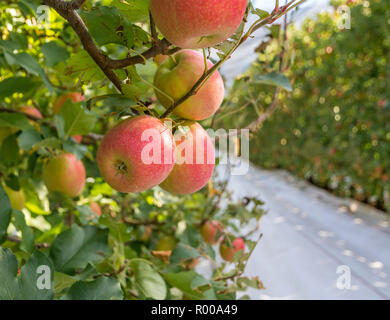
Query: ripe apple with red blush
137, 154
195, 161
195, 24
65, 174
177, 75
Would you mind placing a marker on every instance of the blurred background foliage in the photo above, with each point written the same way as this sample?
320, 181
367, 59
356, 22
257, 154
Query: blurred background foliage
334, 128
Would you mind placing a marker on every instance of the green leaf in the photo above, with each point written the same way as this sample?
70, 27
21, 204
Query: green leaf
28, 139
27, 244
12, 182
59, 123
29, 63
103, 23
77, 149
149, 281
13, 85
199, 281
9, 152
54, 53
14, 120
183, 252
182, 281
50, 143
133, 10
82, 66
260, 13
131, 91
102, 288
5, 214
74, 248
62, 281
119, 231
86, 215
37, 278
15, 41
275, 79
78, 120
9, 288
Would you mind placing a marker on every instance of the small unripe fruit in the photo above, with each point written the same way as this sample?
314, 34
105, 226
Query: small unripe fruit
65, 174
16, 198
211, 231
137, 154
227, 251
166, 243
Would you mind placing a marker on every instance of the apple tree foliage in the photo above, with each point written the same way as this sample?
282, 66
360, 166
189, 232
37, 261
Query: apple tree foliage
57, 247
334, 128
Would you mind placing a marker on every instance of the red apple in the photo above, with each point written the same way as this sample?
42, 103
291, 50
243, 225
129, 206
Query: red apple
228, 250
16, 198
191, 24
211, 231
31, 111
137, 154
59, 102
96, 208
166, 243
65, 174
177, 75
195, 161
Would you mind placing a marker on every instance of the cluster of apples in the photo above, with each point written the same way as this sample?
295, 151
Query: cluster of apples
212, 233
188, 24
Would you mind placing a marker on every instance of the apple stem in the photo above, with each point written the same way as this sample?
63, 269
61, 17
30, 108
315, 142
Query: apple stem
121, 167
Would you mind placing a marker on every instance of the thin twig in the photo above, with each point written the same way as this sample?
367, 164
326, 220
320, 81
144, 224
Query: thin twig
42, 245
141, 223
